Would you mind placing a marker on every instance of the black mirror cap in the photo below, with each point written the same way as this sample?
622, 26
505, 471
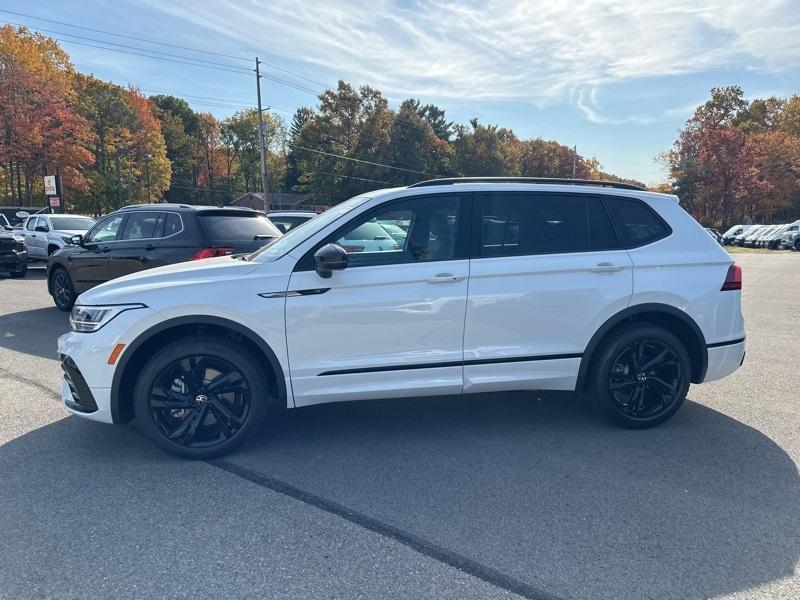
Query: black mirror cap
76, 240
329, 258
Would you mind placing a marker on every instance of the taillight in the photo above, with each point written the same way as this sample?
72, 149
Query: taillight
212, 252
733, 280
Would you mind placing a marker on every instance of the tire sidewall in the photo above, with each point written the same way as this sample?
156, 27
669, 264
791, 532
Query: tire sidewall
212, 347
66, 307
605, 358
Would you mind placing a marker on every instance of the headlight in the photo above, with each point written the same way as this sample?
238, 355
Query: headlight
86, 319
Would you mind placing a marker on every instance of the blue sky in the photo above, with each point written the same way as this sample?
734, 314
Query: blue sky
617, 78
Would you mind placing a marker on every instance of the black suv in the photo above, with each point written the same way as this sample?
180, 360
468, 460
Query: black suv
13, 255
143, 236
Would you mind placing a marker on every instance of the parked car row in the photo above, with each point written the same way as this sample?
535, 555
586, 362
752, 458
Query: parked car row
774, 237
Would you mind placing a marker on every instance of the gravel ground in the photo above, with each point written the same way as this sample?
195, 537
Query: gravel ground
490, 496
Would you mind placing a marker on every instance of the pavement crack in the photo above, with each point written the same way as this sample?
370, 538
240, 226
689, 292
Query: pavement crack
16, 376
425, 547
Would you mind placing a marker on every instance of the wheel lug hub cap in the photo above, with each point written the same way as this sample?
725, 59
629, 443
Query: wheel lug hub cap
201, 400
642, 377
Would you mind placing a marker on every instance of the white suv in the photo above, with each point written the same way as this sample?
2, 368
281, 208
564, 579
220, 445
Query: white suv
499, 284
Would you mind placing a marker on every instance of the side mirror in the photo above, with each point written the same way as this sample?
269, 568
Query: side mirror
42, 228
76, 240
330, 258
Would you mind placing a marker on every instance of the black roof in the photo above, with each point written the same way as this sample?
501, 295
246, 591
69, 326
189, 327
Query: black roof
550, 180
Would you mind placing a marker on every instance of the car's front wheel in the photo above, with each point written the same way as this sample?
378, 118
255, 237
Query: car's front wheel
640, 376
201, 397
61, 289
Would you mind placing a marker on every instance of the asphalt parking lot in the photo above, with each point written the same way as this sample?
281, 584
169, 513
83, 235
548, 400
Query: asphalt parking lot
491, 496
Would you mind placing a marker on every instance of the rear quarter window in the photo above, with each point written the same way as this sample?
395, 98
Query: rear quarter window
636, 223
219, 226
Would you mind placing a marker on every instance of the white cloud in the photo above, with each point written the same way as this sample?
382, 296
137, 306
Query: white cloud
541, 52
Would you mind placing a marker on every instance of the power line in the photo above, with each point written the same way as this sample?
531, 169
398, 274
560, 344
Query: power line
100, 41
117, 34
358, 160
184, 62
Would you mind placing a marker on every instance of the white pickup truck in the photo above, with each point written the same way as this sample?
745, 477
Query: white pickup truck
44, 234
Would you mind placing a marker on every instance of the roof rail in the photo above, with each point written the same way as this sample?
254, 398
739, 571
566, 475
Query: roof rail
555, 180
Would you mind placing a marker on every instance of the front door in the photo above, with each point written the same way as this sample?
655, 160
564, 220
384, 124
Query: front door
90, 267
137, 246
390, 324
547, 272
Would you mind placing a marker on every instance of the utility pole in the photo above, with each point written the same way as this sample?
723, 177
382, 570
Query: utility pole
261, 147
574, 160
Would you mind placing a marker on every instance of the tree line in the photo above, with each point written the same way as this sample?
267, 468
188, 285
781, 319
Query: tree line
737, 160
733, 160
114, 146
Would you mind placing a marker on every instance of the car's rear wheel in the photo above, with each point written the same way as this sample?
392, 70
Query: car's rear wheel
201, 397
640, 376
61, 289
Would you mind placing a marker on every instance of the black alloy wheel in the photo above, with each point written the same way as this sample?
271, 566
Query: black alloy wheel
62, 290
645, 379
201, 396
640, 376
199, 401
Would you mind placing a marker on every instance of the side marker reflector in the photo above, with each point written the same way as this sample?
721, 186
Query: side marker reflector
112, 358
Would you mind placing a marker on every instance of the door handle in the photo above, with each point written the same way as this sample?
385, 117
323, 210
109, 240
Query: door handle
444, 278
149, 247
605, 267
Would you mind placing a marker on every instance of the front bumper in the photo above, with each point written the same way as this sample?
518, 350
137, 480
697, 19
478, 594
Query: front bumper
86, 385
13, 261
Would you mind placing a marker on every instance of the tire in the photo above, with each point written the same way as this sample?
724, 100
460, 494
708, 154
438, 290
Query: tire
63, 292
639, 398
176, 404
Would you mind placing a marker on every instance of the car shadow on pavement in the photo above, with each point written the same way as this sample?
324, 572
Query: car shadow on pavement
33, 331
540, 488
534, 486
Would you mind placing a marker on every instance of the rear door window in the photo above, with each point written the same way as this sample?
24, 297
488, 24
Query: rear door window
517, 223
637, 223
228, 227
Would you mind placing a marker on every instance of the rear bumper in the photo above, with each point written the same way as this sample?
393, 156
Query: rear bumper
724, 360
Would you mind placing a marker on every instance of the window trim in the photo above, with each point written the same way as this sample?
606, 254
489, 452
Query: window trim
618, 229
476, 246
462, 250
125, 223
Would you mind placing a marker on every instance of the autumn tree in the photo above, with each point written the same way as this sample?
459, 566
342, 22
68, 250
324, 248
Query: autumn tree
131, 162
40, 132
179, 126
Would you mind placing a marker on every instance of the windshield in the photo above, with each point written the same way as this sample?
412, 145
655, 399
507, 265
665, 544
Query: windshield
298, 235
71, 223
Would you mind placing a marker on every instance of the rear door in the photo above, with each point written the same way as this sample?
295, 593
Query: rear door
35, 240
547, 271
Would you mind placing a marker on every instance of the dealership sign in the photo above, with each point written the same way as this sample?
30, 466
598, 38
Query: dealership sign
50, 185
